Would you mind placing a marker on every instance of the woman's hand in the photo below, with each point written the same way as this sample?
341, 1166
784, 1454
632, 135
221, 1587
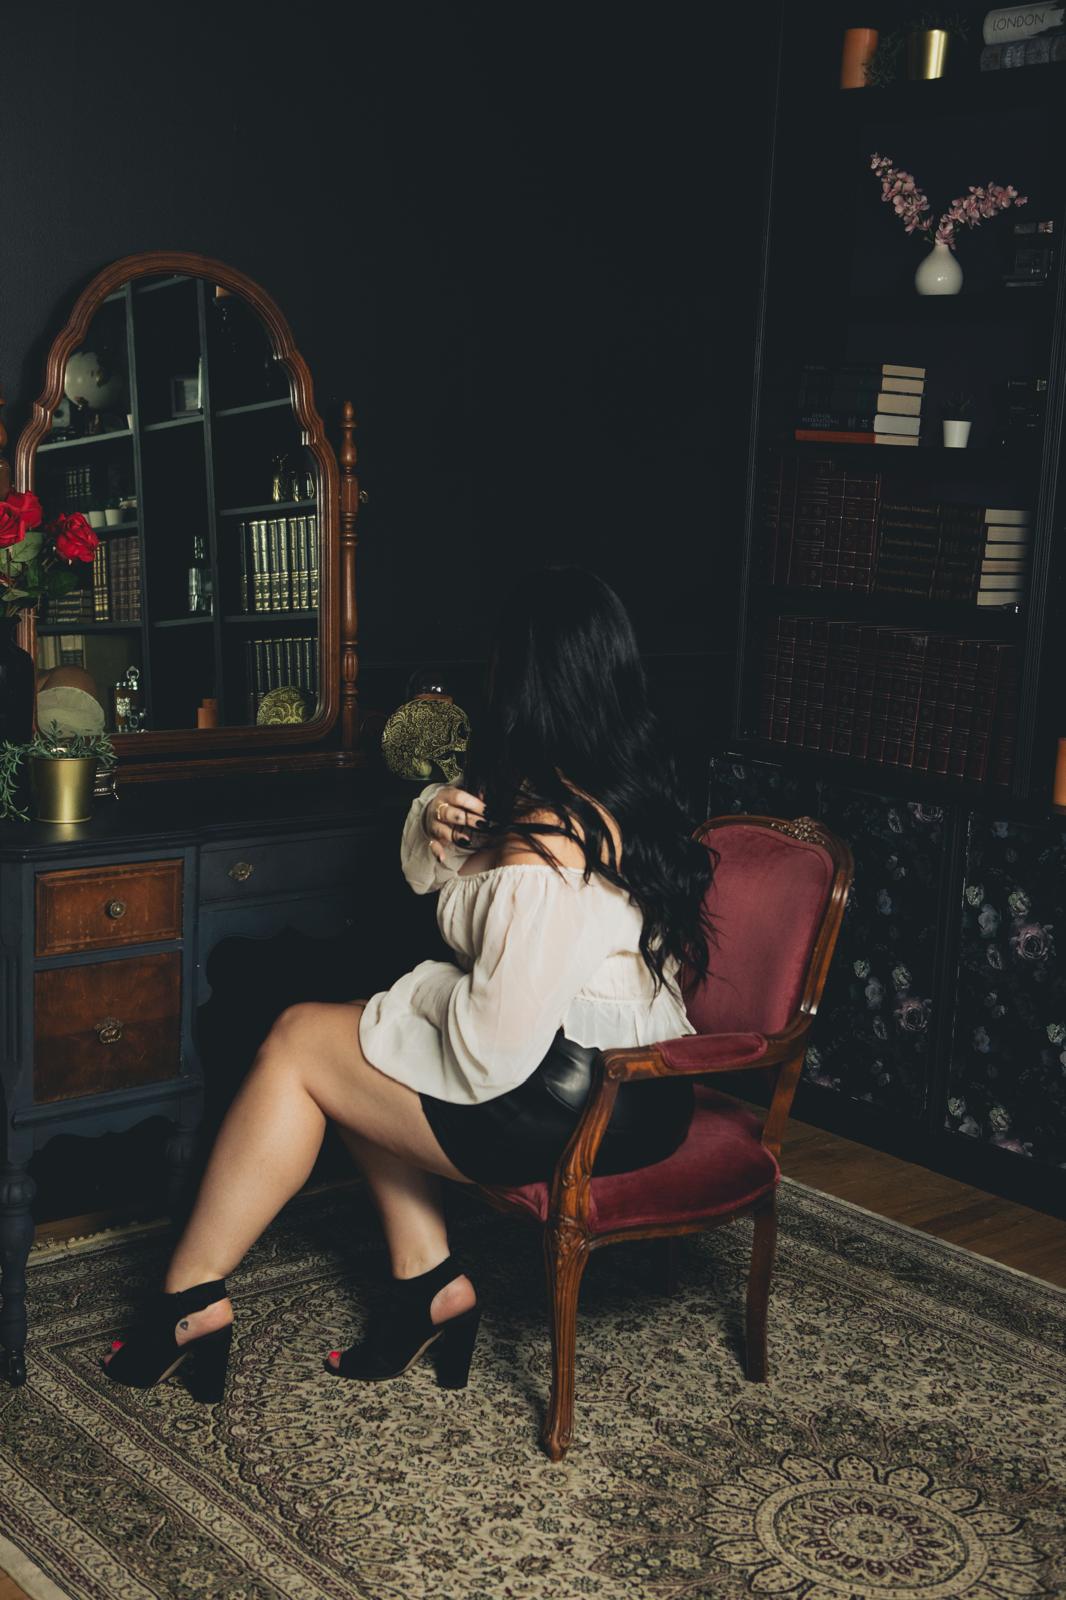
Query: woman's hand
454, 817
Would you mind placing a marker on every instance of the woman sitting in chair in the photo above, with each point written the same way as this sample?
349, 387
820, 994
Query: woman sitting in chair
571, 891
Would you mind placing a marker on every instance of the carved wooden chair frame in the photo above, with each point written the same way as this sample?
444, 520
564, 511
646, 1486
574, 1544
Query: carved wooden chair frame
568, 1239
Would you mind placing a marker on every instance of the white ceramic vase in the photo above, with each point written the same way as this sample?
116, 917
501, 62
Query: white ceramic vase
939, 273
956, 432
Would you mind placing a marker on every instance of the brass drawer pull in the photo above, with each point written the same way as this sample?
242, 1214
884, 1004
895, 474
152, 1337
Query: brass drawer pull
109, 1031
241, 871
116, 909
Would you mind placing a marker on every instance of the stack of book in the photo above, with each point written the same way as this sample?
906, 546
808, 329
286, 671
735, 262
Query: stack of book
820, 523
1023, 36
280, 663
826, 527
861, 404
60, 650
943, 551
1005, 556
77, 606
117, 579
931, 702
83, 487
928, 549
279, 564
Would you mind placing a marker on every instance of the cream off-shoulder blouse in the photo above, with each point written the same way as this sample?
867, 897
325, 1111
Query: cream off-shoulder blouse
536, 949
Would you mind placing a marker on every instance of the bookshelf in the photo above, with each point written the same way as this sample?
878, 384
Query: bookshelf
166, 476
836, 293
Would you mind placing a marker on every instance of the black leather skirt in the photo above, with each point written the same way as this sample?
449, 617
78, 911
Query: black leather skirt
518, 1137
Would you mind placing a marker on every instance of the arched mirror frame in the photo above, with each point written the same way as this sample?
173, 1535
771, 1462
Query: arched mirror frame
180, 752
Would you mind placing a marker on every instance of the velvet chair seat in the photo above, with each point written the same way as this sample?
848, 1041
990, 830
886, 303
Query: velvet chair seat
721, 1167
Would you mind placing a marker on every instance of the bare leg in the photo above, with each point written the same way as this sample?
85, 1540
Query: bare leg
310, 1069
412, 1216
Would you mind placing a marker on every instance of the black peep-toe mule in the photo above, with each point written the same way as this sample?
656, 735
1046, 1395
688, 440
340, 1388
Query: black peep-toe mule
403, 1331
152, 1353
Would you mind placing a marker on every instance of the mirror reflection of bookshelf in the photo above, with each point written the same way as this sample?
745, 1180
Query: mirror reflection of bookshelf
194, 460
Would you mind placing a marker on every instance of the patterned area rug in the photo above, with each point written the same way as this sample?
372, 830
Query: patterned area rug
912, 1444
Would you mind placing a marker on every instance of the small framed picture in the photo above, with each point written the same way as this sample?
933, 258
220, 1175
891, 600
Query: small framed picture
185, 394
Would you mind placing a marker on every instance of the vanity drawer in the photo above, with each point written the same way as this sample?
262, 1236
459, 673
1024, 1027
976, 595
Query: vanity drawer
97, 908
106, 1025
239, 872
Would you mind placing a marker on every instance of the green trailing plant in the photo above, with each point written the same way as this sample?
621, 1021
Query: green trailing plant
952, 22
957, 407
10, 764
50, 744
55, 745
882, 69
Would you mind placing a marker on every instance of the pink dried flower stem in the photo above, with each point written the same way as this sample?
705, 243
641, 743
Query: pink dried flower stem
900, 190
971, 209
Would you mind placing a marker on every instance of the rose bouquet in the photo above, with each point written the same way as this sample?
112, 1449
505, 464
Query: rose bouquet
900, 190
37, 562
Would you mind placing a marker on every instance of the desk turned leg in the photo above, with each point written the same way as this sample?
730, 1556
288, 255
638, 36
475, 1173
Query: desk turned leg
17, 1190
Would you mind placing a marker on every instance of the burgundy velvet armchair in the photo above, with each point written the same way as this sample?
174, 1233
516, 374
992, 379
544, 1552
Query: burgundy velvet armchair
777, 901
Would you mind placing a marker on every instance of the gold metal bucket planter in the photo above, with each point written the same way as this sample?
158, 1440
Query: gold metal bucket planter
62, 788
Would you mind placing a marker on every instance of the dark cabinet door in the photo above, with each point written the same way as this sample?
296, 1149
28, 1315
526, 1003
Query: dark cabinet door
873, 1037
1007, 1081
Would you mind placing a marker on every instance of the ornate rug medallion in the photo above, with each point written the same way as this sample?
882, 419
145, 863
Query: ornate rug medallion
912, 1444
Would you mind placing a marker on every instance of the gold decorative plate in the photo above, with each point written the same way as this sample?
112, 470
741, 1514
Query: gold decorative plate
287, 704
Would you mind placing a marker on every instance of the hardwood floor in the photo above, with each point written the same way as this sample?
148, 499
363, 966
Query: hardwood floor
1031, 1241
1028, 1240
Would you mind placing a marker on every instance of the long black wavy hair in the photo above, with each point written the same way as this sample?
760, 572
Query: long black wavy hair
567, 723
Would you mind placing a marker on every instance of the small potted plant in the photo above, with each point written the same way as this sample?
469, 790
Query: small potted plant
62, 771
957, 420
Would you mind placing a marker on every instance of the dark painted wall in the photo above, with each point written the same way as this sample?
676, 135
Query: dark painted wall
523, 240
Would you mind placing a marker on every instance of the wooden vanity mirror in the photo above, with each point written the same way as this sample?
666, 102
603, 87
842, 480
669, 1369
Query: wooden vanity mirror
217, 626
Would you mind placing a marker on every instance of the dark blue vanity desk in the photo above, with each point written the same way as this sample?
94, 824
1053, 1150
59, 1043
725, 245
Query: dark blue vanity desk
145, 953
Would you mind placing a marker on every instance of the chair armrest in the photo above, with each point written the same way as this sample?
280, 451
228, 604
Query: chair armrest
695, 1053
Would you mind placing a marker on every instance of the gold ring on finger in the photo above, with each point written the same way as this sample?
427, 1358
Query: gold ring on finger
440, 808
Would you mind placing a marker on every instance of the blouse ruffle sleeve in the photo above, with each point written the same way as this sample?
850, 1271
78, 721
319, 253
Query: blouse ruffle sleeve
420, 866
541, 939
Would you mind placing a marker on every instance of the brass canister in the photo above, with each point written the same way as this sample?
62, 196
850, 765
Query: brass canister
62, 789
927, 52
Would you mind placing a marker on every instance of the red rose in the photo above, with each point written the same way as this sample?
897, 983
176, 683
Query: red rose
12, 528
75, 540
26, 507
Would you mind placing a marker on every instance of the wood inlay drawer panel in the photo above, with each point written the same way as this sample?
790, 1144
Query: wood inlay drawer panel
97, 908
106, 1025
241, 872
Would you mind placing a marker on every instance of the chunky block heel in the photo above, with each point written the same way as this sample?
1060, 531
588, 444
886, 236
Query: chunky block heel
401, 1334
455, 1349
209, 1363
152, 1352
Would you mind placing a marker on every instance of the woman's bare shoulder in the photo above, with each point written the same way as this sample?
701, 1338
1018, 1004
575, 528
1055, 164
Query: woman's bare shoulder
564, 849
516, 851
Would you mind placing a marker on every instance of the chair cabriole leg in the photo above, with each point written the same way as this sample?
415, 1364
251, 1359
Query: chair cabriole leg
762, 1260
566, 1251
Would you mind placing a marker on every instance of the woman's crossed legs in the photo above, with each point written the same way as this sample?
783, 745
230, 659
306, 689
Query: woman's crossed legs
311, 1070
